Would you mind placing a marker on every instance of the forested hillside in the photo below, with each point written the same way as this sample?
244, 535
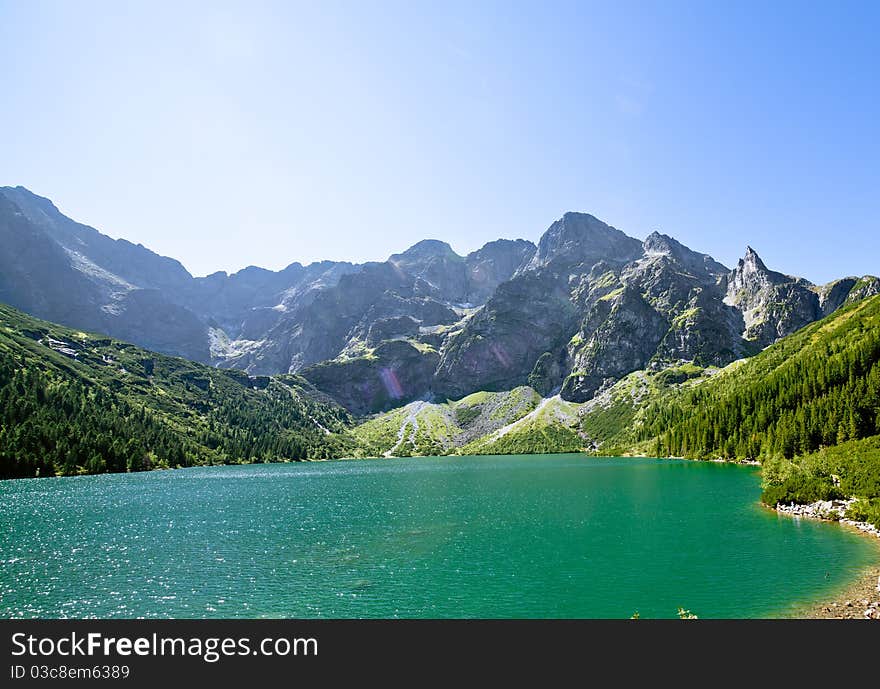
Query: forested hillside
73, 402
816, 388
808, 407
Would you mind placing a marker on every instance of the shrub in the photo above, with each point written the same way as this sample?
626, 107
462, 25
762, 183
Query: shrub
801, 488
865, 511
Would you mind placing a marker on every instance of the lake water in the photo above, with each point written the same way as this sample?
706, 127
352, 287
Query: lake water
513, 536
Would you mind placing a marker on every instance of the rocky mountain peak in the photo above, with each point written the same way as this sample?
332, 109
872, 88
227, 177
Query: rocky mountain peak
657, 244
492, 264
752, 262
426, 248
752, 268
660, 243
772, 304
38, 209
751, 272
583, 238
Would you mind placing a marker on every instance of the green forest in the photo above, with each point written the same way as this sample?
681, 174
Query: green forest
73, 403
818, 387
843, 471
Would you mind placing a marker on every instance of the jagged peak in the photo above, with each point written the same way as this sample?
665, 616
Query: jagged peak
751, 266
751, 261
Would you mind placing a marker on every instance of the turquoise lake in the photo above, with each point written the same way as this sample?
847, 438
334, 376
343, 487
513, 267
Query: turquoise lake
509, 536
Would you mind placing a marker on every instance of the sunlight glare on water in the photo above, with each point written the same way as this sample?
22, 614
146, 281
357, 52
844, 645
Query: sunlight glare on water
511, 536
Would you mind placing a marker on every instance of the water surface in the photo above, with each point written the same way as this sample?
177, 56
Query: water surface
511, 536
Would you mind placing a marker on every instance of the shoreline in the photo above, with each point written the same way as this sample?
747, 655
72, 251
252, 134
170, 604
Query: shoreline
858, 600
736, 462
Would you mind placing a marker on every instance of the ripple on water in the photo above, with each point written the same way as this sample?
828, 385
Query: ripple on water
538, 536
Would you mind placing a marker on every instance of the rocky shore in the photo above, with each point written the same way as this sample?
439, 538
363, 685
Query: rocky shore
828, 510
744, 462
861, 600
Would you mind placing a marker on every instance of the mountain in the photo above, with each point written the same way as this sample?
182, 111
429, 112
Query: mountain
594, 305
261, 321
72, 402
572, 316
815, 388
55, 268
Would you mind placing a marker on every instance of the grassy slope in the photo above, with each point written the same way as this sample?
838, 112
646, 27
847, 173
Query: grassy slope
424, 428
75, 402
521, 422
551, 427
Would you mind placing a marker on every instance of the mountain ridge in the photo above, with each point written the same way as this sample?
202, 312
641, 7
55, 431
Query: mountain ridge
577, 312
814, 389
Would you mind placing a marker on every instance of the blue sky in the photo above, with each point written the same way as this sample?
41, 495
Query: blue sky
230, 134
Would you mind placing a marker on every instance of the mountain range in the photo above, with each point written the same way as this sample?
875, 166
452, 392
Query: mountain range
572, 316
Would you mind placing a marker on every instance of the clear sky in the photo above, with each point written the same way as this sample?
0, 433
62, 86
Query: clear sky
230, 134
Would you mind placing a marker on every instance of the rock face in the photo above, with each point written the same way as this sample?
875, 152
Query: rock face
498, 346
572, 315
534, 312
867, 286
773, 305
395, 373
493, 264
619, 335
71, 274
833, 295
581, 239
593, 305
663, 307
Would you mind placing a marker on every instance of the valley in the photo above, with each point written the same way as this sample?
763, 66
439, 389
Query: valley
589, 341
